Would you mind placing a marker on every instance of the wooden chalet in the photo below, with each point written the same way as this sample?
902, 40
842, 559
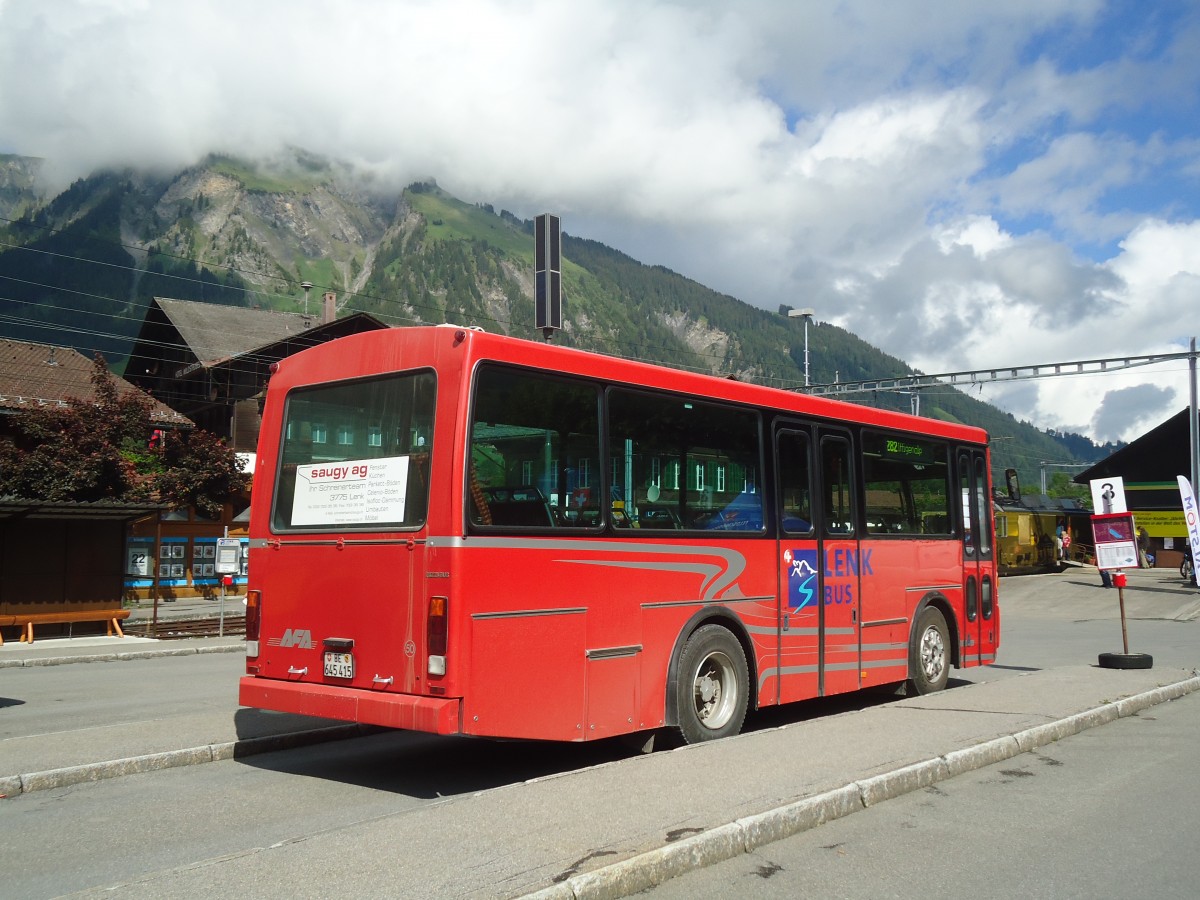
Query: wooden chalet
211, 363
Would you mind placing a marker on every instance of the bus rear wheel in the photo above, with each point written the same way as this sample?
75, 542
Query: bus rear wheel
712, 690
929, 655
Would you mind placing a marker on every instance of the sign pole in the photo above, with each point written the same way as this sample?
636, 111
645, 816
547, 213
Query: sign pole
1121, 600
228, 561
221, 614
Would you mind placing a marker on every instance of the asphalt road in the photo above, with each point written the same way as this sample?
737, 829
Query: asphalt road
401, 814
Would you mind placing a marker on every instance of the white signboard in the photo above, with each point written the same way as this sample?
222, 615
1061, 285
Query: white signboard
229, 556
1108, 495
355, 492
138, 560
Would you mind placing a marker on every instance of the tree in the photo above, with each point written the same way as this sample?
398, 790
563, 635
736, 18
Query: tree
201, 471
78, 451
98, 449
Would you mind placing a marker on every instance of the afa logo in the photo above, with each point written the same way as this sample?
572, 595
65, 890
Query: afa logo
293, 637
802, 578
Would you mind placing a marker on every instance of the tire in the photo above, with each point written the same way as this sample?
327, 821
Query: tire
929, 654
1126, 661
712, 688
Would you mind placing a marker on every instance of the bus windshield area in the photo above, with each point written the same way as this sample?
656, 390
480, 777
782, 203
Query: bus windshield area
356, 455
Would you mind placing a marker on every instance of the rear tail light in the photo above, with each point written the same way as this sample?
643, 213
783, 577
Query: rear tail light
253, 618
435, 643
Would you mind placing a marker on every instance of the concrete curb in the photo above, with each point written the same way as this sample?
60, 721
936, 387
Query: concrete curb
121, 655
744, 835
11, 785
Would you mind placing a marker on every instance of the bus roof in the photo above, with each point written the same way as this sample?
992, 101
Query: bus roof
379, 351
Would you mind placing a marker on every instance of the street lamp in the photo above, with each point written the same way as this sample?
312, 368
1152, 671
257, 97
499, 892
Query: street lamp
307, 285
806, 314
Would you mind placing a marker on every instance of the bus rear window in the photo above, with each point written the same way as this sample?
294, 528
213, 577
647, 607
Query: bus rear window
355, 455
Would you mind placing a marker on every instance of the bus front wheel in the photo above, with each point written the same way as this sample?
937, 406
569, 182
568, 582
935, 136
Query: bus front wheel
929, 655
713, 686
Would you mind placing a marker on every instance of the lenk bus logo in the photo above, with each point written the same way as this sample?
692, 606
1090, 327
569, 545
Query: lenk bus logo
802, 578
841, 569
294, 637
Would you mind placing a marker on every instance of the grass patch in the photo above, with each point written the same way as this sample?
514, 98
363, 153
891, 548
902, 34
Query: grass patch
268, 182
447, 219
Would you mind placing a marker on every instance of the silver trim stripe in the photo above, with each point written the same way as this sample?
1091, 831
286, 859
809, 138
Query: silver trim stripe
614, 652
718, 567
667, 604
834, 667
261, 543
529, 613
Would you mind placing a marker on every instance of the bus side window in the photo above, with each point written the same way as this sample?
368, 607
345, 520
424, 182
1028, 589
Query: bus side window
837, 485
535, 451
682, 462
794, 483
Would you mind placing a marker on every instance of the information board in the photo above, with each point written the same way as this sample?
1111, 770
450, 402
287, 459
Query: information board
229, 556
1116, 544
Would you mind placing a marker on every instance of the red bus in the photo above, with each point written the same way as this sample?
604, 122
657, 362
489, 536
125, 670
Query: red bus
464, 533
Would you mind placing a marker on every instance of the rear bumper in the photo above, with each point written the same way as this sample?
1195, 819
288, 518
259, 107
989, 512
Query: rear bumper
430, 714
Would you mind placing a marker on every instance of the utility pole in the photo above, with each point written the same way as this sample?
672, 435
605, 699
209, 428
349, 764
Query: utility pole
806, 314
1045, 465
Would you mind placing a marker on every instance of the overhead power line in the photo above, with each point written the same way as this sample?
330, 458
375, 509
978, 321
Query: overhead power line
995, 374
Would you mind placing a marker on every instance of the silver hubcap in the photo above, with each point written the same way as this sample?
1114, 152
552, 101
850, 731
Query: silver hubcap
715, 690
933, 654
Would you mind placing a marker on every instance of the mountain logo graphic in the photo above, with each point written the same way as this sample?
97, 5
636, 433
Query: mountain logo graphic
802, 578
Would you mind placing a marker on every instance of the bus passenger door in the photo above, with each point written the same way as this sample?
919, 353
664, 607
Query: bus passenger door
841, 562
979, 628
798, 673
819, 564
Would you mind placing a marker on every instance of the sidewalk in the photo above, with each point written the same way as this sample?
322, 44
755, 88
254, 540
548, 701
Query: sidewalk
612, 830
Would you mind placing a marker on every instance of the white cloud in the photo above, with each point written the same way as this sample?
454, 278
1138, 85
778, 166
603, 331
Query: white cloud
936, 179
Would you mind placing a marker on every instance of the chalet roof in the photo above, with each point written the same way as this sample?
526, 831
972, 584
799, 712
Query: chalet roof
40, 375
1157, 456
214, 332
21, 508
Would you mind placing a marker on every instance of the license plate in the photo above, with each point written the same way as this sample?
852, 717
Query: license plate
339, 665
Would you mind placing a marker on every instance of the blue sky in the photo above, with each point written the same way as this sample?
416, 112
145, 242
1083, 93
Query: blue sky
964, 184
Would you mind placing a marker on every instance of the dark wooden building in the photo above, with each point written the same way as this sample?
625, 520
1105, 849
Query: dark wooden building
1149, 467
60, 558
211, 362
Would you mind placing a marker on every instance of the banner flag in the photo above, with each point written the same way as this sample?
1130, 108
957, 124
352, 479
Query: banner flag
1191, 516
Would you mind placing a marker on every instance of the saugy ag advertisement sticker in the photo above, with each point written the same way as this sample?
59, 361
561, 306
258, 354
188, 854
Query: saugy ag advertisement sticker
355, 492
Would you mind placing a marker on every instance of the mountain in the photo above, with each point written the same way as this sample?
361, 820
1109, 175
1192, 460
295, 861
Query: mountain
79, 269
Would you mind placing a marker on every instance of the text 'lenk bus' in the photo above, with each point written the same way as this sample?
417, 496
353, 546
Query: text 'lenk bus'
464, 533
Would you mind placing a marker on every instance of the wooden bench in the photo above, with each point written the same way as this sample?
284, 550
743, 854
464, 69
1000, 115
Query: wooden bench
111, 617
6, 620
